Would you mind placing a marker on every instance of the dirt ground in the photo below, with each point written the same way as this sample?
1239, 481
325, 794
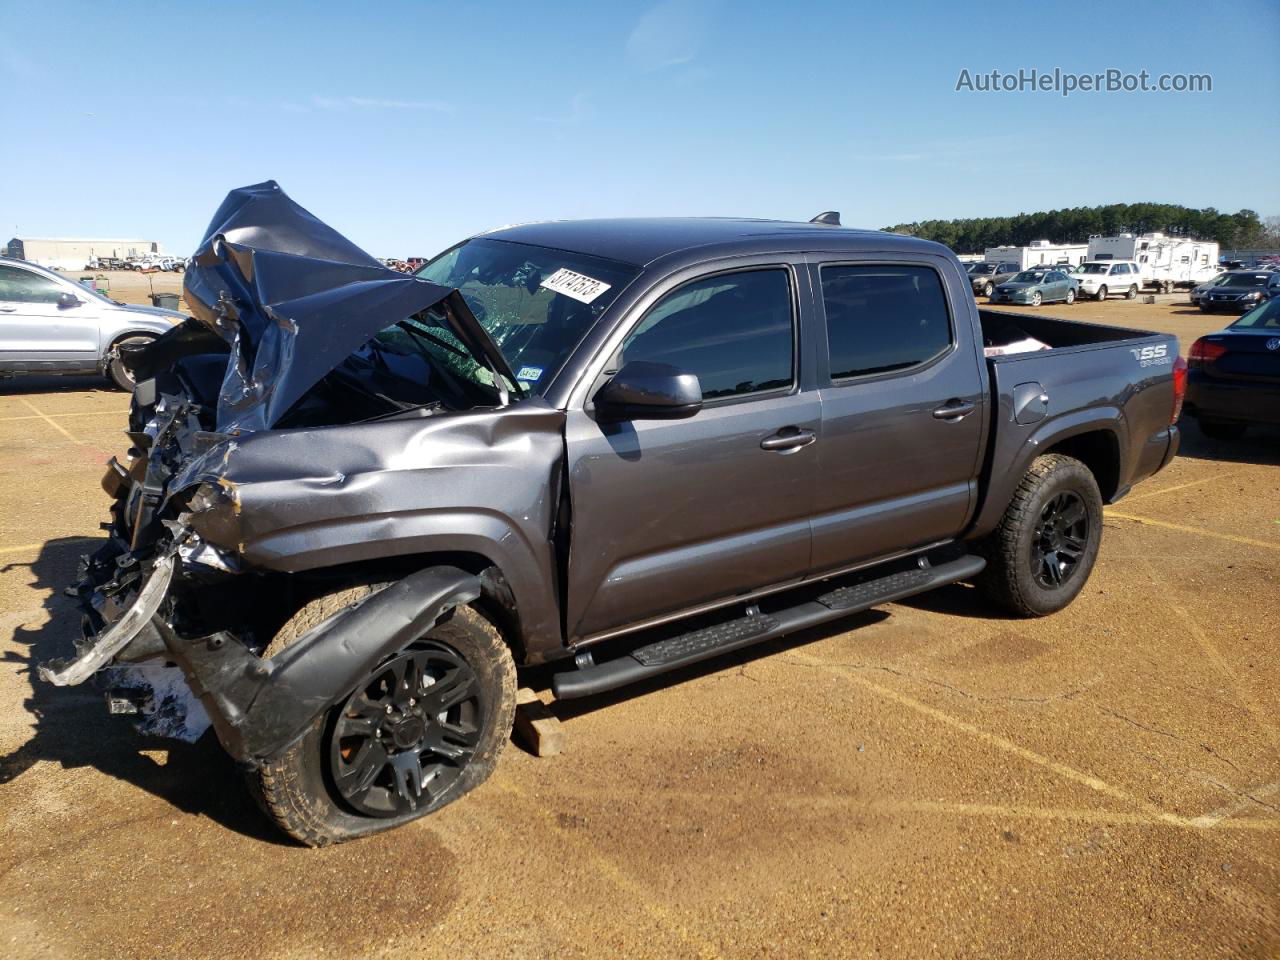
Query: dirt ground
924, 780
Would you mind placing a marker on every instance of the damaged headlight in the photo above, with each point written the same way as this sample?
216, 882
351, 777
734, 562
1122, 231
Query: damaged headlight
213, 511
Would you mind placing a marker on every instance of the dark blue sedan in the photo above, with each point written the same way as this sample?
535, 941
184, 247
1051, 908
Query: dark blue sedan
1233, 375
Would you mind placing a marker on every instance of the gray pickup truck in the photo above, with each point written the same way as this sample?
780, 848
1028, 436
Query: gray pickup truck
358, 500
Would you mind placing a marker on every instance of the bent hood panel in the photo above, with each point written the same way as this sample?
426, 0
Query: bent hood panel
293, 298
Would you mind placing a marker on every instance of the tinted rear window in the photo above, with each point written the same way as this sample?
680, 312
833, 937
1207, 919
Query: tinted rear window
883, 318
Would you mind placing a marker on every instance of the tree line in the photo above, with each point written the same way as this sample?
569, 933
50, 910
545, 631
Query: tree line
1242, 229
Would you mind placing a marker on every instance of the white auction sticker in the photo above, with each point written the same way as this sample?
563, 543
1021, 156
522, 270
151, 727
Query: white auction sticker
575, 285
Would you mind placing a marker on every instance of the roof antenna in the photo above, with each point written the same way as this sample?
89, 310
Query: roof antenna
829, 218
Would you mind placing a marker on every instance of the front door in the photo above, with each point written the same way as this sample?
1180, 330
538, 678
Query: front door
672, 515
36, 331
902, 410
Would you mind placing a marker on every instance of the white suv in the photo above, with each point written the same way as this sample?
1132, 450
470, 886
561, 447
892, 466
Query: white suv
1099, 278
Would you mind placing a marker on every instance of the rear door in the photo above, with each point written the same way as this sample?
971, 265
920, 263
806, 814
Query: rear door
903, 416
34, 329
672, 515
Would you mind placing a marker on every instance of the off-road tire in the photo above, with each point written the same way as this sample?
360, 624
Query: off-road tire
115, 369
1222, 430
294, 790
1008, 578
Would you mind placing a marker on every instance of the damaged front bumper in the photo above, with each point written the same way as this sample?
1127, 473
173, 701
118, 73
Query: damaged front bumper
97, 652
179, 679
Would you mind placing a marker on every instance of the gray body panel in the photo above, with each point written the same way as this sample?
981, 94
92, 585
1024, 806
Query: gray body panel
484, 483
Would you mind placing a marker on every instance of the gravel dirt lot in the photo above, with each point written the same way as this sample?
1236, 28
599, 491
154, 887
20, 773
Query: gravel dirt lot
927, 779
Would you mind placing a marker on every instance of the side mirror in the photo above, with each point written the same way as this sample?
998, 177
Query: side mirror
67, 300
648, 391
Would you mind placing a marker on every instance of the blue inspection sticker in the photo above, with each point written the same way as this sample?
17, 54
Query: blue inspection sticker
530, 374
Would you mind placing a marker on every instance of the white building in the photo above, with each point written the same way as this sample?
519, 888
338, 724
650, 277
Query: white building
68, 253
1040, 253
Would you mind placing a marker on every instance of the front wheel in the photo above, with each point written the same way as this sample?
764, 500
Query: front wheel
1071, 297
423, 728
1102, 293
116, 370
1036, 299
988, 290
1044, 548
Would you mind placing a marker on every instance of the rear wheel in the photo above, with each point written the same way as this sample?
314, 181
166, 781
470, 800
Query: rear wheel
424, 727
1131, 293
988, 290
1222, 430
121, 377
1041, 553
1102, 293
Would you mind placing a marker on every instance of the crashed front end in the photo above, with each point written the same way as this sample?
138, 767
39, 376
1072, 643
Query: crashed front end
176, 616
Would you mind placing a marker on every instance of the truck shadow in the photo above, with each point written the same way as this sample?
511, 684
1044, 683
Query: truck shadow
72, 727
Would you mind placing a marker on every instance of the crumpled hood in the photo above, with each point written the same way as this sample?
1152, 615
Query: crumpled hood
293, 298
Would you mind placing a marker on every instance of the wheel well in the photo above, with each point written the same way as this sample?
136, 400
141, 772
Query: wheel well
496, 600
131, 334
120, 338
1099, 450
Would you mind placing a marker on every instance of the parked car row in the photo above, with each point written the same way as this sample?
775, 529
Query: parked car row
150, 262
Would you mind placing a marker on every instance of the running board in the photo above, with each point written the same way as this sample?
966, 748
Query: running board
687, 648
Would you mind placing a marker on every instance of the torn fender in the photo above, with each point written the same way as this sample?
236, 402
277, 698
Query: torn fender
262, 707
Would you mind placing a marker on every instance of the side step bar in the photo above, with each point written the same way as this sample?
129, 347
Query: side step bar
680, 651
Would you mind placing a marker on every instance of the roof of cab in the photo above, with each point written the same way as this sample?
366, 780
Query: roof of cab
642, 240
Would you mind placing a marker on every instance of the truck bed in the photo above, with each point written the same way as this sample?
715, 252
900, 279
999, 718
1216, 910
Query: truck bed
1000, 327
1111, 388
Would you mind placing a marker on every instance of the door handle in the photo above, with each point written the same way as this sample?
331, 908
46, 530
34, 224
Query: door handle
788, 438
954, 410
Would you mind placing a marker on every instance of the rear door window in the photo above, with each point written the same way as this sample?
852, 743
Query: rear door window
883, 318
734, 330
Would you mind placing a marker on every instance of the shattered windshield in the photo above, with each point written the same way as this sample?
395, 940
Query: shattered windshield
536, 303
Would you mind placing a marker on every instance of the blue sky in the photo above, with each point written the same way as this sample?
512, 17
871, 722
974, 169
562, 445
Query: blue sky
410, 125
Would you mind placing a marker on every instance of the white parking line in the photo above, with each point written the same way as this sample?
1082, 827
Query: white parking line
1180, 486
1147, 521
50, 421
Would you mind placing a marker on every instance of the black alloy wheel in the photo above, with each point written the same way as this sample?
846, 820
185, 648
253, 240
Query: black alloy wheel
404, 737
1060, 540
